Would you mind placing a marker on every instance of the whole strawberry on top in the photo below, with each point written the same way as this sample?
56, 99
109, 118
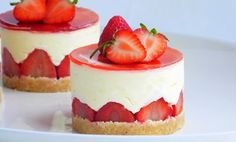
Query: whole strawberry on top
115, 24
60, 11
120, 45
47, 11
29, 11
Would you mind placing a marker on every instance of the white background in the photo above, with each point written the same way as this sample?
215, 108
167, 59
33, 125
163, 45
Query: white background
206, 18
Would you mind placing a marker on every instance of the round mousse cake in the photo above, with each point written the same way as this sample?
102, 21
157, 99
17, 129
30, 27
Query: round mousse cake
35, 55
133, 99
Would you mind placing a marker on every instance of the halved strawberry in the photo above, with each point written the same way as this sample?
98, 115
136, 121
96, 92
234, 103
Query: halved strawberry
82, 110
115, 24
154, 43
29, 10
60, 11
178, 108
125, 48
10, 67
158, 110
63, 70
114, 112
38, 64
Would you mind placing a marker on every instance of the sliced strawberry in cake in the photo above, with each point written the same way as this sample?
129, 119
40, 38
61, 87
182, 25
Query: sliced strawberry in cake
10, 67
178, 107
82, 110
63, 70
114, 112
158, 110
38, 64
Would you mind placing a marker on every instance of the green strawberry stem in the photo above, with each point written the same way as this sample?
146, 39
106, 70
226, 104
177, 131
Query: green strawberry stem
103, 47
73, 2
143, 26
154, 31
14, 3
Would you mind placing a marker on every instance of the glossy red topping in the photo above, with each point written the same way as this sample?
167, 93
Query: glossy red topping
83, 18
81, 56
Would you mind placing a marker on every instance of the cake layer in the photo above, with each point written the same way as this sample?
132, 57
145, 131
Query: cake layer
83, 18
135, 88
57, 45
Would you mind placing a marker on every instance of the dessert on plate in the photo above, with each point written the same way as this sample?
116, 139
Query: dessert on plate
130, 83
36, 44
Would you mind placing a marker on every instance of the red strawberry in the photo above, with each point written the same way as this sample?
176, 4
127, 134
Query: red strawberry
178, 108
38, 64
30, 10
114, 112
63, 70
82, 110
60, 11
154, 43
158, 110
115, 24
125, 48
10, 67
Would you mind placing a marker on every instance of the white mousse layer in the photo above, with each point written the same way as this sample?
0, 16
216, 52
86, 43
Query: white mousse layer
57, 45
133, 89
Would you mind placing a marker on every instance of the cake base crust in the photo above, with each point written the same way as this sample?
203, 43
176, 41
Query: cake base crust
166, 127
40, 84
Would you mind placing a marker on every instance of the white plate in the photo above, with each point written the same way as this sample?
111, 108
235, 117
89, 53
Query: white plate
210, 102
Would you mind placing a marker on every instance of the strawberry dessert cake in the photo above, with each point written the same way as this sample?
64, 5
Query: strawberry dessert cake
130, 83
37, 37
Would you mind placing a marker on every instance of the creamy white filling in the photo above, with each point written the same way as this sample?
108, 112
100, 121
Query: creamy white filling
57, 45
133, 89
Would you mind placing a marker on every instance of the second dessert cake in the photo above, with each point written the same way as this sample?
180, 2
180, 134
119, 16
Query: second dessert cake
35, 54
134, 86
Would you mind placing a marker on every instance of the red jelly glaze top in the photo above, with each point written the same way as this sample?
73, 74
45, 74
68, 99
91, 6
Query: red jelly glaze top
80, 56
83, 18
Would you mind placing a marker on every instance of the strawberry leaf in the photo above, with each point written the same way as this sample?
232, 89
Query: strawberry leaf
143, 26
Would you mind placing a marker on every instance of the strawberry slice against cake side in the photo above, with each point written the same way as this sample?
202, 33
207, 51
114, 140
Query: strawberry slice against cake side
38, 64
10, 67
82, 110
158, 110
178, 107
114, 112
63, 70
